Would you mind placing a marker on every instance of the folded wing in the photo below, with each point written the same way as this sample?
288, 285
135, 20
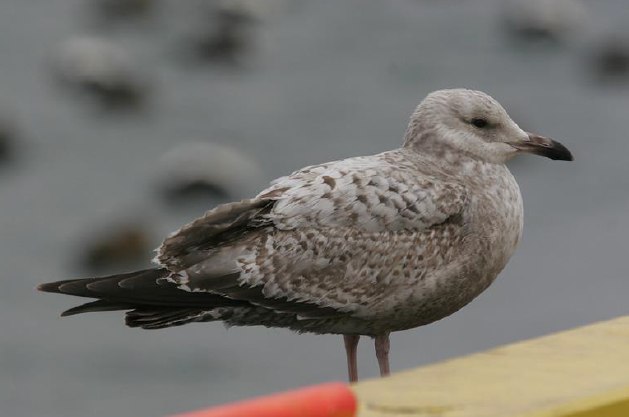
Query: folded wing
321, 241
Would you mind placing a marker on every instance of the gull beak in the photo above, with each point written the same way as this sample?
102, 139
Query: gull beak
540, 145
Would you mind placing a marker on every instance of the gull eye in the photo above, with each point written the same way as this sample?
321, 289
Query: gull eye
480, 123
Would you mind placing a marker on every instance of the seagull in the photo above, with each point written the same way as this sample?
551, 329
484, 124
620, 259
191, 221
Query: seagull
363, 246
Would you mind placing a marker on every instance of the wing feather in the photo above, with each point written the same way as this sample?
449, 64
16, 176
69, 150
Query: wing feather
319, 242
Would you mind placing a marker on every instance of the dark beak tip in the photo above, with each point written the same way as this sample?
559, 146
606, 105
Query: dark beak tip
549, 148
563, 156
560, 152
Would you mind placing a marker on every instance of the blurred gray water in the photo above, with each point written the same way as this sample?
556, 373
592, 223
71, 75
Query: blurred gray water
325, 80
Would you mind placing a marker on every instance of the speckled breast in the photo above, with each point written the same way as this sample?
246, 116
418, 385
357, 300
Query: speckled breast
492, 226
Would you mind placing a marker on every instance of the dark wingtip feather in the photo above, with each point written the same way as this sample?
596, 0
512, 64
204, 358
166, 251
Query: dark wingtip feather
70, 312
98, 305
49, 286
63, 287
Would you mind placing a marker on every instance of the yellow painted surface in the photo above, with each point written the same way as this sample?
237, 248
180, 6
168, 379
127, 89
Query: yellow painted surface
582, 372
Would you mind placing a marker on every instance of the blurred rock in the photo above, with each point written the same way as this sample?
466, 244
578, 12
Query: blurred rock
610, 59
7, 142
226, 37
122, 246
111, 11
257, 9
103, 71
545, 19
207, 170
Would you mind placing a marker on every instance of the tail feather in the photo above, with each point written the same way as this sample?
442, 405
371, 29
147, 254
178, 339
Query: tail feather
159, 319
145, 291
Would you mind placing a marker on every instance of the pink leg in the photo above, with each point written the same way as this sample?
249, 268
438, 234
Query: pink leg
351, 346
382, 353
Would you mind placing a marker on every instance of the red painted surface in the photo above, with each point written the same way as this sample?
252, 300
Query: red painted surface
327, 400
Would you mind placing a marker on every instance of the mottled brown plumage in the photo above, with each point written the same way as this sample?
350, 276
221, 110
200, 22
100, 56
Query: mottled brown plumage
361, 246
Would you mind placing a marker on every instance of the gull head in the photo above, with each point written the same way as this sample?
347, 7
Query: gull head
472, 124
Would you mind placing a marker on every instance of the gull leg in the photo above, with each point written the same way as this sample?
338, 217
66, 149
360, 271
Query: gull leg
351, 346
382, 353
